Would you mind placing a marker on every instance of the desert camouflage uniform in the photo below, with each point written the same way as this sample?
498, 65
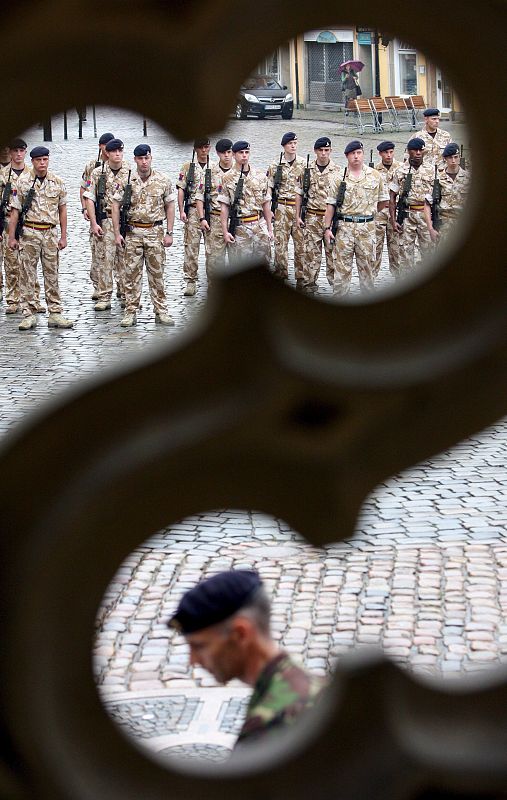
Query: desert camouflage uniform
433, 146
215, 245
313, 232
145, 244
414, 226
110, 259
281, 694
357, 236
11, 257
284, 225
251, 237
384, 229
85, 177
454, 194
50, 195
192, 232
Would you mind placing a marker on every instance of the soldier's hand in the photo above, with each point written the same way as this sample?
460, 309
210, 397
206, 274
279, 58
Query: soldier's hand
300, 223
85, 215
229, 238
205, 226
62, 242
13, 244
97, 230
397, 227
120, 241
328, 238
183, 216
435, 236
168, 240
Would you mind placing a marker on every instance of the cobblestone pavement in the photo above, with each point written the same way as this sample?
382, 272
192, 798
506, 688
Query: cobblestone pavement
424, 578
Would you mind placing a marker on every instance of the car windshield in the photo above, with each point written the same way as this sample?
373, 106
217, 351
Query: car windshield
261, 82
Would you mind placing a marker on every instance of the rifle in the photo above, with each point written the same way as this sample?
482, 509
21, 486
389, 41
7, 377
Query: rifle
436, 199
234, 213
98, 161
25, 208
462, 159
340, 197
306, 189
189, 184
402, 205
275, 194
207, 193
100, 214
5, 199
371, 164
125, 208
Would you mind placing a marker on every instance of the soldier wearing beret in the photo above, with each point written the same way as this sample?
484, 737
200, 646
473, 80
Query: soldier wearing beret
11, 174
434, 138
285, 223
322, 171
386, 166
355, 236
85, 177
192, 233
454, 184
414, 228
255, 231
39, 238
110, 259
152, 206
214, 243
226, 622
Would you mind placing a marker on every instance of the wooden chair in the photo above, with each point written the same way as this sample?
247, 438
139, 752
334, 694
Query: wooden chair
402, 115
418, 105
381, 113
365, 115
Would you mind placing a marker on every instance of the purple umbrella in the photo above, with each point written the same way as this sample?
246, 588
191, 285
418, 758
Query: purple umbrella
357, 66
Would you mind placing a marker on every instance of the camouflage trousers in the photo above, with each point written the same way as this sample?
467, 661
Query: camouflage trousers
94, 272
192, 241
447, 223
251, 242
354, 239
384, 230
145, 246
35, 245
414, 229
313, 242
285, 227
11, 264
109, 260
215, 246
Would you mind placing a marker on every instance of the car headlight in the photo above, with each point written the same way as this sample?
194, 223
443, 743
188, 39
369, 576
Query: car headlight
288, 97
251, 98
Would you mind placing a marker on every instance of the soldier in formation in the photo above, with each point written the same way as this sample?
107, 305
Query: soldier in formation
190, 177
208, 207
385, 231
433, 137
225, 620
40, 204
353, 202
454, 182
150, 206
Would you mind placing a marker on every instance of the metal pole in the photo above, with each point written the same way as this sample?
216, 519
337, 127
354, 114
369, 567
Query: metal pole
377, 70
80, 124
145, 130
94, 122
65, 130
47, 130
296, 70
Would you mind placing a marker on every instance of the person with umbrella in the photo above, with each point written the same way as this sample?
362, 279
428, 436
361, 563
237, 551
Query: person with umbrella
350, 84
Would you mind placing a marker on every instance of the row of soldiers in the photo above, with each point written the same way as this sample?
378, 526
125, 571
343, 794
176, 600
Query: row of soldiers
235, 209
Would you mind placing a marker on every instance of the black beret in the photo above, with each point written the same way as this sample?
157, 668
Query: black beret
288, 137
385, 146
450, 149
431, 112
142, 150
202, 142
106, 137
241, 145
214, 600
416, 144
223, 145
14, 144
114, 144
324, 141
355, 144
38, 152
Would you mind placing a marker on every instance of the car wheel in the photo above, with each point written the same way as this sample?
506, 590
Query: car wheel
240, 111
287, 114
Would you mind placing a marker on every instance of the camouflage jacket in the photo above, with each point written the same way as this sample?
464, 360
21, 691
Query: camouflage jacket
255, 190
292, 175
422, 181
217, 175
434, 145
114, 182
454, 191
149, 197
320, 182
8, 175
90, 166
362, 193
50, 194
283, 691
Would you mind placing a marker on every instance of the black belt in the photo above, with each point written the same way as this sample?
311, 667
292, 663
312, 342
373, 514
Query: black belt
355, 218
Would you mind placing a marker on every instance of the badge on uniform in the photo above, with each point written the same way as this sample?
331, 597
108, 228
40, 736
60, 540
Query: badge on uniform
181, 176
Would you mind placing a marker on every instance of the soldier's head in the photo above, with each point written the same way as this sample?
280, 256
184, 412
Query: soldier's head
451, 156
202, 147
290, 144
354, 153
225, 621
142, 157
17, 152
104, 139
40, 160
322, 150
386, 152
431, 119
415, 148
114, 152
224, 152
241, 151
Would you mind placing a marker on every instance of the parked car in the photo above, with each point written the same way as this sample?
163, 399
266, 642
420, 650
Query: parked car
262, 96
